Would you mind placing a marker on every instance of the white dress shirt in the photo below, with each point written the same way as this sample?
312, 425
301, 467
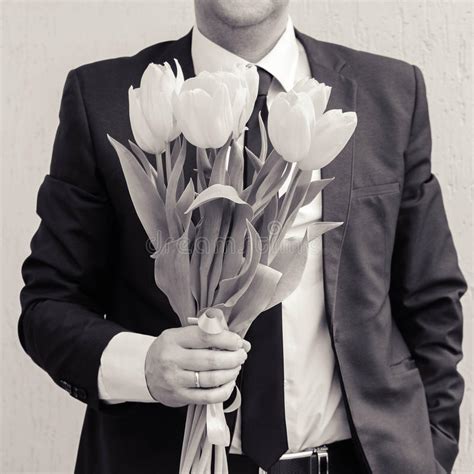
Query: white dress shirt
314, 409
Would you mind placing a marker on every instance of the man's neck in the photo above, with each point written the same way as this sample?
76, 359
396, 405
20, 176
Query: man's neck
251, 43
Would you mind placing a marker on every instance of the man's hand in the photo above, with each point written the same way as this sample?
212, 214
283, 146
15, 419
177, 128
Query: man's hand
176, 355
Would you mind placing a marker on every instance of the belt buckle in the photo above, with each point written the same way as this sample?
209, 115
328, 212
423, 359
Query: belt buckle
322, 455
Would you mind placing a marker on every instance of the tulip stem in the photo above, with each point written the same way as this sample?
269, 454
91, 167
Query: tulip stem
276, 237
159, 166
168, 162
295, 174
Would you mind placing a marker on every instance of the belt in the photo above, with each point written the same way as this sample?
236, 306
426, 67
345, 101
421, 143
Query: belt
314, 461
334, 458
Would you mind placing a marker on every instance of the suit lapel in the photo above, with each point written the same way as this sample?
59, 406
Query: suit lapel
325, 66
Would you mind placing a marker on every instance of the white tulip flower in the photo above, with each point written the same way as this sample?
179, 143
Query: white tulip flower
151, 112
300, 129
213, 106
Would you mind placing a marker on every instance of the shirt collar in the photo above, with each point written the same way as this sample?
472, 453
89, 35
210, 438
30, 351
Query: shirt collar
281, 61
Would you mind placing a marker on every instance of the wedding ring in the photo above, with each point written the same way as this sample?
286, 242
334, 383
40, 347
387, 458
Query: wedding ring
196, 380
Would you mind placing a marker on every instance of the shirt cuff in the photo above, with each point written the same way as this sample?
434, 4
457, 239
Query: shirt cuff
121, 376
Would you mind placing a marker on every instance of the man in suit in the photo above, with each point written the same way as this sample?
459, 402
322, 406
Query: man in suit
356, 369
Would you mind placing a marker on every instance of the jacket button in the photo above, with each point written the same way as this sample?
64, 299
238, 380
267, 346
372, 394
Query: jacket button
79, 393
65, 385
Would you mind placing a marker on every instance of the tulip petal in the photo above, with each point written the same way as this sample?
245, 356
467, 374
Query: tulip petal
251, 77
320, 100
331, 134
276, 122
141, 131
204, 80
221, 117
190, 107
239, 111
317, 91
290, 124
179, 76
167, 79
156, 89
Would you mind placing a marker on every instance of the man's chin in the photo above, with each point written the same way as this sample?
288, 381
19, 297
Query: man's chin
245, 13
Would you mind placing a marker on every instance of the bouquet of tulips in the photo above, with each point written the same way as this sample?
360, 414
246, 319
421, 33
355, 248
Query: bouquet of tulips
221, 256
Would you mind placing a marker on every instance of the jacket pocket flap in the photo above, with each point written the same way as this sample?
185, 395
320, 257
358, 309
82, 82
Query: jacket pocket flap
376, 189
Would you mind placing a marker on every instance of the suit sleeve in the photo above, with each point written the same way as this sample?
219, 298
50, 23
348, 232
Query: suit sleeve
62, 325
427, 285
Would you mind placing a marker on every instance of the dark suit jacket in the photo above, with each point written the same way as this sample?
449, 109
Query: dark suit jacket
391, 278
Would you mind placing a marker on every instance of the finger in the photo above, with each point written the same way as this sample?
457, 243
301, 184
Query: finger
206, 359
205, 396
192, 337
210, 378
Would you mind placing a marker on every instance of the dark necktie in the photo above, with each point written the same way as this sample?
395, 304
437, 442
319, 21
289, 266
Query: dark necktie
252, 136
263, 410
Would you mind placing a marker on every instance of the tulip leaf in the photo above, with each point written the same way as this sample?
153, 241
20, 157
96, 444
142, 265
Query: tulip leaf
254, 300
171, 192
184, 202
269, 226
173, 276
138, 152
292, 201
144, 195
287, 198
204, 168
271, 192
263, 138
261, 203
156, 175
195, 265
216, 191
315, 187
216, 268
297, 189
316, 229
253, 160
301, 190
231, 289
234, 256
272, 183
290, 260
209, 240
266, 168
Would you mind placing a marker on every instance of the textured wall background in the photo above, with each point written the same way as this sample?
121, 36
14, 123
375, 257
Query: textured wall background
43, 40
